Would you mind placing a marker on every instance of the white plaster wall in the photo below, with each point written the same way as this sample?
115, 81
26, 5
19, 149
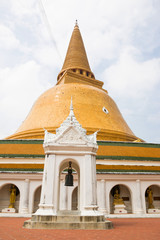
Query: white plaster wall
103, 194
19, 179
133, 183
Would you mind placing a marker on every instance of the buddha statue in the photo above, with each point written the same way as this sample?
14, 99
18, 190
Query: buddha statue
117, 200
150, 198
12, 196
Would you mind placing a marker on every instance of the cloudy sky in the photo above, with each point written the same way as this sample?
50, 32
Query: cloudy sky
122, 40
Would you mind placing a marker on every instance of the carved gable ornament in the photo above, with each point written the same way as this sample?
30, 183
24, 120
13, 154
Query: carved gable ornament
70, 133
71, 136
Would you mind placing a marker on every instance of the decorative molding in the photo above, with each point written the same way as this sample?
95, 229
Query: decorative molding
128, 144
111, 157
21, 141
99, 142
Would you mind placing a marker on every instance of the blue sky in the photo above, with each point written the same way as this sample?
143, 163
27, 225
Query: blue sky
122, 40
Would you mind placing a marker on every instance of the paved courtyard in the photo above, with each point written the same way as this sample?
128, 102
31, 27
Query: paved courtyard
124, 229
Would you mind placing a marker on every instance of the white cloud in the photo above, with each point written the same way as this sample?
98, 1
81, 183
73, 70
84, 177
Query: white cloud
20, 87
106, 25
47, 55
130, 78
7, 38
22, 8
134, 85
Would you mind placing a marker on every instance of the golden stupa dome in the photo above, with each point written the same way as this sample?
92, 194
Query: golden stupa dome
93, 107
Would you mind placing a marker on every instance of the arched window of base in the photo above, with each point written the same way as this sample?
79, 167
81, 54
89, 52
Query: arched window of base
152, 199
37, 195
120, 200
9, 198
75, 199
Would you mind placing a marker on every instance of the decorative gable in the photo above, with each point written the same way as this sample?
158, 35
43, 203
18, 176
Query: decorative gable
71, 136
70, 133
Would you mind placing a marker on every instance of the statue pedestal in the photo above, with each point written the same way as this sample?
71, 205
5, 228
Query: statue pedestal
8, 210
119, 209
153, 210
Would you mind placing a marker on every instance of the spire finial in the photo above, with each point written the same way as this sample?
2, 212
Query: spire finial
76, 23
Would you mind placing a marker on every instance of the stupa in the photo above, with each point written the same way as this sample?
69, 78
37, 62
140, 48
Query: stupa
125, 164
93, 106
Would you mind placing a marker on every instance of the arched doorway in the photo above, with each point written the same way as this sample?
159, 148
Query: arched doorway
36, 201
152, 197
123, 194
65, 192
5, 192
75, 199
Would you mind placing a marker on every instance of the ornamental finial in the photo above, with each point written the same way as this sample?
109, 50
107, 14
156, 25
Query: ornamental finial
76, 24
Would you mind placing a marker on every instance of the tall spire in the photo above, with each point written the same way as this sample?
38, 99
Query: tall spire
76, 57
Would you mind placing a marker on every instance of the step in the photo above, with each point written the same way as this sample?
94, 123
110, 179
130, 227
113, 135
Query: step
69, 225
68, 218
68, 212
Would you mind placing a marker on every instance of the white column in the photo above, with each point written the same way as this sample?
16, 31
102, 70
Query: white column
138, 202
88, 186
143, 198
24, 208
108, 210
102, 196
63, 198
49, 190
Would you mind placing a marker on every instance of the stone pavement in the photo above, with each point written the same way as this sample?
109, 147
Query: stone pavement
124, 229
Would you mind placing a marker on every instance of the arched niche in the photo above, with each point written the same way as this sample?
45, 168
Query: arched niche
36, 200
5, 197
125, 194
75, 199
154, 195
65, 192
